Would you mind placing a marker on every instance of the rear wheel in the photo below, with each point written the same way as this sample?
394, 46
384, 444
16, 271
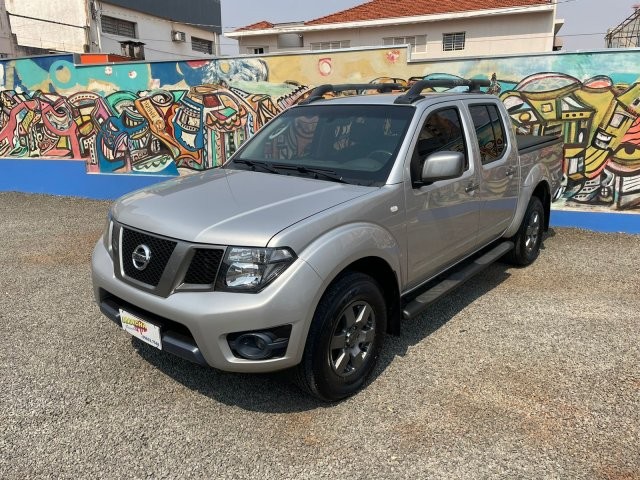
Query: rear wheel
529, 237
345, 338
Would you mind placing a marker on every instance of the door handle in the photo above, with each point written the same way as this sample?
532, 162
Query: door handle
471, 187
510, 171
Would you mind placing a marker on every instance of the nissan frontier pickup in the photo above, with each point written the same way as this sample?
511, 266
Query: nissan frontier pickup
337, 220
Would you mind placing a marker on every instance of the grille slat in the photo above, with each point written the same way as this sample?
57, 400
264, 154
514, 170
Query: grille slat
161, 251
204, 266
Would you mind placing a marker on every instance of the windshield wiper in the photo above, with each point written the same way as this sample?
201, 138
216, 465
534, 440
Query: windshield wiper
253, 164
328, 174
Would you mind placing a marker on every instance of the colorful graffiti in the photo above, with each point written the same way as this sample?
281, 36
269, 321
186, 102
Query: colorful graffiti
41, 125
173, 117
136, 132
147, 131
599, 122
195, 129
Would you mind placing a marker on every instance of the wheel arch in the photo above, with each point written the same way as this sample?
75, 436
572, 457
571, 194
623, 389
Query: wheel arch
361, 247
543, 192
378, 269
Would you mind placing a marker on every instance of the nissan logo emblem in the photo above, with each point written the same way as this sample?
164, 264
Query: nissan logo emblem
141, 257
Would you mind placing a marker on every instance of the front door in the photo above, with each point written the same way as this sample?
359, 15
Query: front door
442, 218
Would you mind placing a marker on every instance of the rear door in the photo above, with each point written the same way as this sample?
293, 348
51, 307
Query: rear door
442, 218
499, 169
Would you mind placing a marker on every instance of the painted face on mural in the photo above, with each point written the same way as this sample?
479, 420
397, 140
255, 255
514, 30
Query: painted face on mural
160, 108
211, 118
597, 121
120, 141
124, 141
626, 158
187, 124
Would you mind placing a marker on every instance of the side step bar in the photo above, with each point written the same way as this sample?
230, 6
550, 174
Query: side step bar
419, 304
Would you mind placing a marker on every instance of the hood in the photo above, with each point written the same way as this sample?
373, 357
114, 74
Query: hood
230, 207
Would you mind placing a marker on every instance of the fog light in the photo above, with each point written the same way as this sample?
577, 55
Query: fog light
258, 345
254, 346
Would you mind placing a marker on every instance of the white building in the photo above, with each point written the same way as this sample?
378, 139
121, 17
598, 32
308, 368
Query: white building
6, 45
142, 29
433, 29
42, 26
194, 32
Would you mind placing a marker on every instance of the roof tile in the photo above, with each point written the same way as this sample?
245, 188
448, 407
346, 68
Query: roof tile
379, 9
256, 26
382, 9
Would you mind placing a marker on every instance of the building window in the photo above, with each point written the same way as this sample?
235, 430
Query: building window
257, 50
418, 42
331, 45
201, 45
290, 40
453, 41
117, 26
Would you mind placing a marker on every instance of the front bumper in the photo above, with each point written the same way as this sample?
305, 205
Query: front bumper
195, 325
181, 345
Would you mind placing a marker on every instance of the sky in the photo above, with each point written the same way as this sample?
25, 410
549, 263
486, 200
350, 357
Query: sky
586, 21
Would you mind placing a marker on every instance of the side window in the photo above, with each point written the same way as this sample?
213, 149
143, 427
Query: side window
489, 132
442, 131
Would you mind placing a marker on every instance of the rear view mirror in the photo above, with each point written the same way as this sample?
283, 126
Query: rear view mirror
442, 166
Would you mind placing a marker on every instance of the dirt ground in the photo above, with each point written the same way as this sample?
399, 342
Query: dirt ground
521, 373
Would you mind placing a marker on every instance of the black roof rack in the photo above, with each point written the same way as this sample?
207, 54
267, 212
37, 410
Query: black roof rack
415, 92
319, 92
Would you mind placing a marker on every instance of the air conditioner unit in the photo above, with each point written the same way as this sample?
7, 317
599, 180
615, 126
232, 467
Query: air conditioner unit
178, 36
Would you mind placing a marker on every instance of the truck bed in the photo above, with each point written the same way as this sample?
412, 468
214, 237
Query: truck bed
543, 152
528, 143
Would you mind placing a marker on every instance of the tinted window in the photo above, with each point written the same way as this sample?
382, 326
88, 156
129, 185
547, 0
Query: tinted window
442, 131
357, 142
489, 132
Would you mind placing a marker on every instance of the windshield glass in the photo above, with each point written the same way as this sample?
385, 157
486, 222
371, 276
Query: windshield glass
354, 144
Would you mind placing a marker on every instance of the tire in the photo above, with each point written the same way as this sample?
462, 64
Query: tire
529, 237
345, 338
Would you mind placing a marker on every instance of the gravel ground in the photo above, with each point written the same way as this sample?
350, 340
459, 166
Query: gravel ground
522, 373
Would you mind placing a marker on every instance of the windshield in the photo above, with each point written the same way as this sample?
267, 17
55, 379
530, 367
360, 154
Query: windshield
354, 144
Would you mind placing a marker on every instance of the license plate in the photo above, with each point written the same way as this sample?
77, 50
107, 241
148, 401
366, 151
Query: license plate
142, 329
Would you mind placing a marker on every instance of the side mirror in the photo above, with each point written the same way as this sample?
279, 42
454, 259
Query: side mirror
442, 166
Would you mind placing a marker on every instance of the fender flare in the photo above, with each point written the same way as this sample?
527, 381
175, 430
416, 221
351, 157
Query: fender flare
332, 253
336, 249
537, 175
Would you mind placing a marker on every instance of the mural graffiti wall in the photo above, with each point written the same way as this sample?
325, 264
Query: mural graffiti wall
175, 117
136, 118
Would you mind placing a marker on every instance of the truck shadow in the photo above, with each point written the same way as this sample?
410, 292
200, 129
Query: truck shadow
275, 393
440, 313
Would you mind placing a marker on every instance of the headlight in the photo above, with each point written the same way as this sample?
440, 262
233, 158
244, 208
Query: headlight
251, 269
107, 236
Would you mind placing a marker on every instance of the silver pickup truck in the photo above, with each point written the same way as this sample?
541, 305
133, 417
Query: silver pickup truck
338, 219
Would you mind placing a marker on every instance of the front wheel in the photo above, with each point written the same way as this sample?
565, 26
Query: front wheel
345, 338
529, 237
